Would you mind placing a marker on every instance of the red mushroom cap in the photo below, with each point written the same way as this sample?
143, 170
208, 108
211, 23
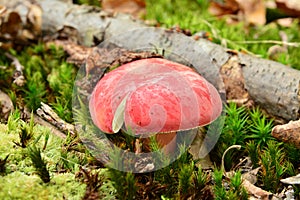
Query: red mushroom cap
153, 95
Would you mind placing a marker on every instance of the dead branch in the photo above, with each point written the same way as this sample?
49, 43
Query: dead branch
18, 76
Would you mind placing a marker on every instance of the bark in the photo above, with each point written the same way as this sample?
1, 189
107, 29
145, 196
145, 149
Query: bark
272, 85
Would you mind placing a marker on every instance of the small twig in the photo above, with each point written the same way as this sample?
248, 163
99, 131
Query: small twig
284, 43
18, 74
50, 116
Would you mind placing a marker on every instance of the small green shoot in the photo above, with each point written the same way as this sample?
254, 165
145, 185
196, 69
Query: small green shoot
185, 177
39, 163
12, 122
273, 164
2, 164
93, 181
260, 127
26, 133
124, 183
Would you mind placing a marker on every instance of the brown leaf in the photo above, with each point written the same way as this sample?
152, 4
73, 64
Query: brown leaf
135, 8
291, 7
256, 191
289, 133
20, 24
292, 180
254, 11
251, 11
219, 9
6, 105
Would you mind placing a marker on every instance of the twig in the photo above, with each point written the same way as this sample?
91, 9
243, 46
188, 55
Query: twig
292, 44
53, 129
50, 116
18, 74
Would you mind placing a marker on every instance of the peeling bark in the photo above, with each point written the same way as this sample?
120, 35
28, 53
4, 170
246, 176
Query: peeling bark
274, 86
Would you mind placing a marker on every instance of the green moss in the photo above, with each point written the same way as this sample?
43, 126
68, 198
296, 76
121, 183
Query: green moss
18, 185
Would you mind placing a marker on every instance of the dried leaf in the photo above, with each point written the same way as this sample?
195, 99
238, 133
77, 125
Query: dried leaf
291, 7
285, 22
251, 11
6, 105
275, 51
226, 8
251, 176
254, 11
292, 180
289, 133
256, 191
20, 24
135, 8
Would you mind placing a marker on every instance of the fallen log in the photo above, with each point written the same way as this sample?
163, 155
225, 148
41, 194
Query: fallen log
273, 86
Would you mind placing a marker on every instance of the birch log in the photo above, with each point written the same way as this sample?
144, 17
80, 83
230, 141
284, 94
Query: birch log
273, 86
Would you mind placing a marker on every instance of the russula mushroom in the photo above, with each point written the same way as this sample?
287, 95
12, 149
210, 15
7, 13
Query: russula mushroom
153, 96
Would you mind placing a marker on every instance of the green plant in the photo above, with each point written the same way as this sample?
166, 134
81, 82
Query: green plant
253, 151
93, 181
273, 164
185, 177
34, 91
124, 183
229, 190
219, 190
61, 80
2, 164
235, 129
293, 154
237, 187
200, 180
260, 127
26, 133
39, 163
234, 132
12, 121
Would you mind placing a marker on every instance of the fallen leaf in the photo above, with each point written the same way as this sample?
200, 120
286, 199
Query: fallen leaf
289, 132
136, 8
254, 11
6, 105
251, 176
250, 11
20, 24
275, 51
292, 180
226, 8
285, 22
291, 7
256, 191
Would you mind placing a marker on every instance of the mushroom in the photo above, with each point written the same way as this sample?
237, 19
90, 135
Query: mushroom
152, 96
